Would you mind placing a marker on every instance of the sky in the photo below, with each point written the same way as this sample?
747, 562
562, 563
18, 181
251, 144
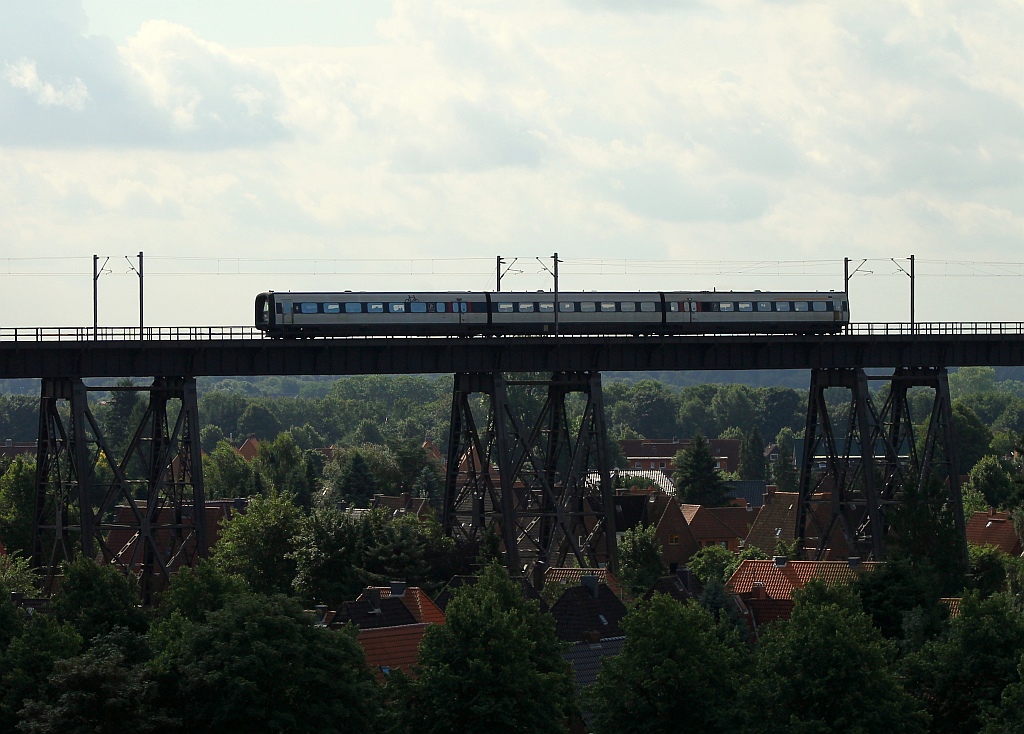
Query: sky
404, 145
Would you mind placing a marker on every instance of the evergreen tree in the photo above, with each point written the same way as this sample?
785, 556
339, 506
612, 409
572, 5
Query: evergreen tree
696, 477
18, 504
752, 456
356, 482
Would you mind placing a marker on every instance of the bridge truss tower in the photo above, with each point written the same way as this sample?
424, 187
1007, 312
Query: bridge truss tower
534, 470
860, 463
137, 507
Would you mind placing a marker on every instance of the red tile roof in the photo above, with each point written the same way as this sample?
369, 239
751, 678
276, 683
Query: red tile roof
738, 519
573, 576
417, 602
392, 648
249, 448
994, 528
706, 526
778, 582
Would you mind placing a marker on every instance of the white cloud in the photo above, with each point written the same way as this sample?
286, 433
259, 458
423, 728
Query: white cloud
23, 75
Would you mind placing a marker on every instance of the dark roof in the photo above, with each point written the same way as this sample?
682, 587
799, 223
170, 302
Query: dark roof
630, 511
751, 490
577, 612
369, 614
738, 519
586, 659
683, 586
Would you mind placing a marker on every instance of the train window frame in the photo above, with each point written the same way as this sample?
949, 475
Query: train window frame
608, 307
764, 306
648, 306
726, 306
782, 306
673, 306
353, 308
526, 308
332, 308
745, 306
800, 306
417, 307
566, 307
308, 308
627, 306
505, 307
819, 306
588, 307
546, 307
441, 306
374, 308
396, 308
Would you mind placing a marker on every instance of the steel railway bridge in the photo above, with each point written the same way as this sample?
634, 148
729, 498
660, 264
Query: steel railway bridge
540, 481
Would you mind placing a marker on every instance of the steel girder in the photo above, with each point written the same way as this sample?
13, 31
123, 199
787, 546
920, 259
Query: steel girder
541, 482
142, 511
853, 472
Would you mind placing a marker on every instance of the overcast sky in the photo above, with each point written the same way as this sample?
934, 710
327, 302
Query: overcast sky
716, 136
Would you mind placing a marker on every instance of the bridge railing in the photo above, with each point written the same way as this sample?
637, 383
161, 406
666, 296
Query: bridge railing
212, 333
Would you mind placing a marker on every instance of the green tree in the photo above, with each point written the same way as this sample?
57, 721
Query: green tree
259, 664
495, 653
259, 420
209, 437
924, 529
991, 477
17, 575
825, 670
1006, 718
752, 465
257, 545
961, 674
328, 554
710, 563
972, 381
696, 477
678, 671
972, 437
354, 483
988, 569
784, 474
903, 597
95, 598
195, 592
18, 504
227, 474
26, 664
119, 415
640, 563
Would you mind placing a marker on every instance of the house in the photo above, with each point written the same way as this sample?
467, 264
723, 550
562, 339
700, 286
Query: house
590, 611
10, 448
750, 491
994, 528
682, 586
249, 448
585, 658
642, 453
404, 504
451, 588
763, 589
568, 577
388, 649
709, 529
776, 521
414, 598
738, 518
664, 512
371, 610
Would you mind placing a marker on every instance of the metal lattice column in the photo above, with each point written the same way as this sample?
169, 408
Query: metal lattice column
148, 517
542, 481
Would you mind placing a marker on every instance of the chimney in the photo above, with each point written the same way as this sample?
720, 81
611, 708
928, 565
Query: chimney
854, 561
373, 597
780, 561
397, 588
592, 637
589, 582
10, 442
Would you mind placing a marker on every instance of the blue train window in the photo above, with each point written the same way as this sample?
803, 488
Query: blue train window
504, 308
440, 307
819, 305
309, 307
375, 308
353, 308
417, 307
627, 306
546, 307
648, 306
396, 307
607, 306
782, 305
566, 306
525, 308
673, 306
799, 305
746, 306
764, 305
588, 307
725, 306
332, 308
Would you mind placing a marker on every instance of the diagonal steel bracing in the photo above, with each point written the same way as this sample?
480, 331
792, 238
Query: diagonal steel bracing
541, 481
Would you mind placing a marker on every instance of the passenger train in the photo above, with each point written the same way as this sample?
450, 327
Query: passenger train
543, 312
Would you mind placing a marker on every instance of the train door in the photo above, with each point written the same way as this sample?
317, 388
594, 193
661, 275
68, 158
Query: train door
286, 311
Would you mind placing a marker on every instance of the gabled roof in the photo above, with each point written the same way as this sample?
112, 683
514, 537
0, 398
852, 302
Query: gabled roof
778, 582
574, 577
367, 614
706, 525
751, 490
416, 601
392, 648
630, 511
676, 587
776, 521
737, 519
249, 448
578, 613
995, 529
586, 659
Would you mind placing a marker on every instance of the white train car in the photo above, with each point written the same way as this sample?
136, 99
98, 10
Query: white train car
458, 313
